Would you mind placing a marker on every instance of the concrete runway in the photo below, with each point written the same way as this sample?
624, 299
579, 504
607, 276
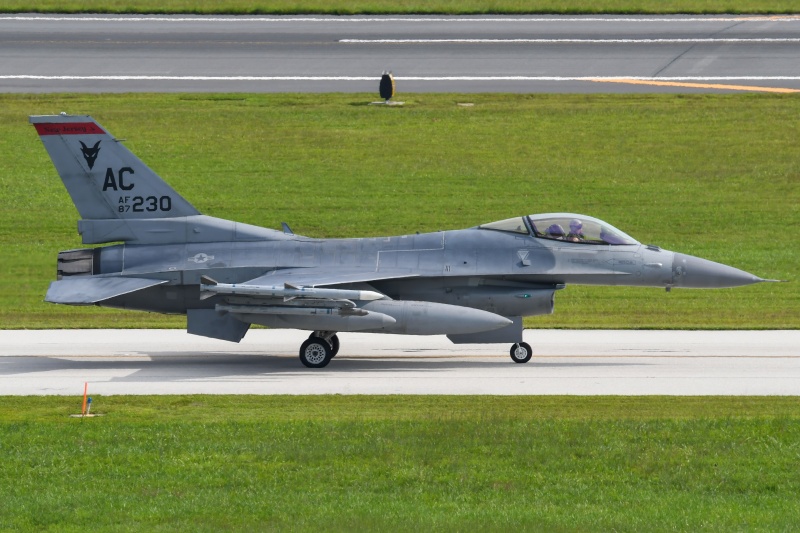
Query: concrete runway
526, 54
565, 362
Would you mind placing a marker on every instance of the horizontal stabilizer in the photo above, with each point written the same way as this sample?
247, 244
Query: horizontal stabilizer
88, 290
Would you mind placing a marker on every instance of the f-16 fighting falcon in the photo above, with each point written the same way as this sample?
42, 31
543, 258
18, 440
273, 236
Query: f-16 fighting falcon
474, 285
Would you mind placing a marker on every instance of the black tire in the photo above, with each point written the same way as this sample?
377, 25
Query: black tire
315, 353
521, 352
334, 346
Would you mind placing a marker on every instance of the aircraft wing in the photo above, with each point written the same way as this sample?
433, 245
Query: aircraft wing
89, 290
322, 277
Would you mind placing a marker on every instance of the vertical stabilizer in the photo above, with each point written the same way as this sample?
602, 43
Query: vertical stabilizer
105, 180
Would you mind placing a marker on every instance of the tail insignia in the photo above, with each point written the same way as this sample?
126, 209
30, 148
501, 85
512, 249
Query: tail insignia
90, 154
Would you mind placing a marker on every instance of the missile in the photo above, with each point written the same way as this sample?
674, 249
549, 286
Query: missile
209, 288
293, 310
310, 318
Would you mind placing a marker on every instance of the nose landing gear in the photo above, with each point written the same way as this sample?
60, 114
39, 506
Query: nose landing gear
521, 352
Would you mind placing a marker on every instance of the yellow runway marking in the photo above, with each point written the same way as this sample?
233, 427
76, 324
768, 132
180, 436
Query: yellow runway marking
773, 18
697, 85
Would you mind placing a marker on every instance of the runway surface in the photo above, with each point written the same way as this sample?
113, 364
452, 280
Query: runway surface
527, 54
266, 362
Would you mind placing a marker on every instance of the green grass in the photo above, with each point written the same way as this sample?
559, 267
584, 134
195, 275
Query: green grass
713, 176
209, 463
400, 7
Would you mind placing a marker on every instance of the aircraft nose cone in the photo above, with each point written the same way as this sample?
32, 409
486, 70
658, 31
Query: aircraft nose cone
696, 273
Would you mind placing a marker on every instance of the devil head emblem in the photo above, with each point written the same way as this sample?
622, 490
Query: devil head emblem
90, 154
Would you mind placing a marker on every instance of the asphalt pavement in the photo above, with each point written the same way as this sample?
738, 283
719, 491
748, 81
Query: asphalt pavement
522, 54
574, 362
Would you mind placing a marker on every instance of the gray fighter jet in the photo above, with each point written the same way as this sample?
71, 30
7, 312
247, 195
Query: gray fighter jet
473, 285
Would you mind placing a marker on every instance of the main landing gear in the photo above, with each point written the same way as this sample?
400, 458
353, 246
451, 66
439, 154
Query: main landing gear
319, 349
521, 352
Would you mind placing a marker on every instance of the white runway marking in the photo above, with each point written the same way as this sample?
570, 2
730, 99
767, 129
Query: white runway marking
574, 362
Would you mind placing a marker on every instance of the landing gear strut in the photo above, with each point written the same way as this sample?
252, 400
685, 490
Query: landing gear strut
521, 352
334, 340
319, 349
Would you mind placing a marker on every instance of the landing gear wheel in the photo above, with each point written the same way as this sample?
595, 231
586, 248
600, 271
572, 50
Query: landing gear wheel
521, 352
334, 346
332, 340
315, 353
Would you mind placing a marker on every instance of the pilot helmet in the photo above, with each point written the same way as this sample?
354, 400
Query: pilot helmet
556, 230
575, 224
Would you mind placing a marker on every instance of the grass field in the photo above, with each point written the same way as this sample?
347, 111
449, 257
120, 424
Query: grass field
713, 176
209, 463
401, 7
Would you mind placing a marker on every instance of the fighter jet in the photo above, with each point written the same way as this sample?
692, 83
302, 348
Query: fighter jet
474, 285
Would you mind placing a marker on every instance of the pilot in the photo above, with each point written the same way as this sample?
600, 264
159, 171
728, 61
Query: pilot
555, 231
576, 231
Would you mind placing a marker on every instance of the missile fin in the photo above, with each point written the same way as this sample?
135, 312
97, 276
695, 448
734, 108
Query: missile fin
206, 281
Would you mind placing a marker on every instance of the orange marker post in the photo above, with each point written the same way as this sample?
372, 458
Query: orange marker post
85, 390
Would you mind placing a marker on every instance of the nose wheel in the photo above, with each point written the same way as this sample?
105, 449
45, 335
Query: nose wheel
521, 352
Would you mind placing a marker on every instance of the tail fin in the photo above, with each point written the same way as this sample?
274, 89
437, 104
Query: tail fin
105, 180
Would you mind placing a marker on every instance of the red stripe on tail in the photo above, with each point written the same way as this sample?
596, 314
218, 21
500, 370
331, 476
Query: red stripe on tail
69, 128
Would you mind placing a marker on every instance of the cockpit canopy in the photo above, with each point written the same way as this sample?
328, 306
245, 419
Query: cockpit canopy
567, 227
